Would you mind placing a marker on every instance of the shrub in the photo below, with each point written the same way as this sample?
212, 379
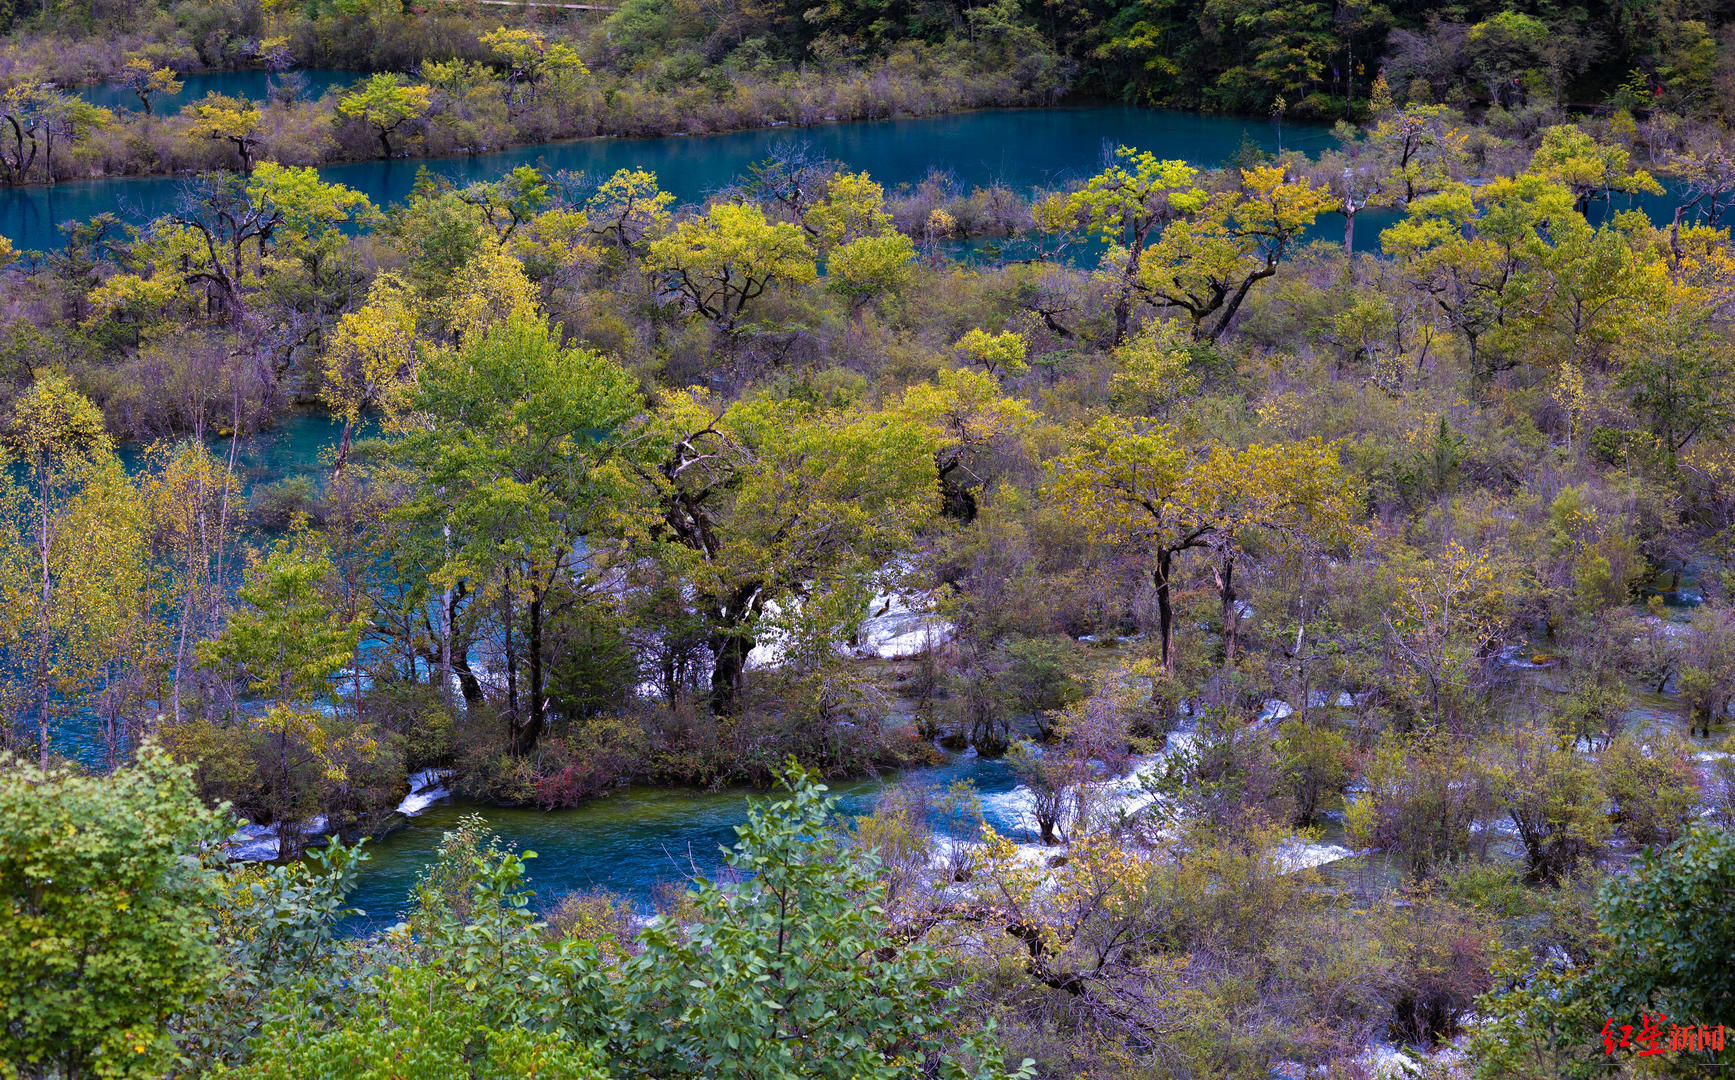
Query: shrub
605, 920
1423, 797
1552, 795
274, 506
848, 1000
1037, 676
588, 759
1652, 785
1671, 927
1444, 954
420, 1023
1316, 762
103, 896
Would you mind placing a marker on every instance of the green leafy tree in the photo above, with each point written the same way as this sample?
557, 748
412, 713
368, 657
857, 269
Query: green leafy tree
1678, 368
1472, 255
994, 353
514, 443
230, 233
792, 975
532, 64
103, 901
33, 117
853, 208
870, 267
1132, 483
720, 263
630, 209
1419, 147
510, 201
1208, 261
289, 640
288, 643
1282, 47
386, 102
1664, 930
68, 119
766, 500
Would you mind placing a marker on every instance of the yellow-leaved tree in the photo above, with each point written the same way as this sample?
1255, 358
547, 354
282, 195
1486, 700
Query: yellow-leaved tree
371, 358
1122, 205
1446, 607
1572, 158
146, 80
386, 102
533, 65
1207, 262
221, 118
721, 262
1132, 482
76, 600
971, 417
766, 502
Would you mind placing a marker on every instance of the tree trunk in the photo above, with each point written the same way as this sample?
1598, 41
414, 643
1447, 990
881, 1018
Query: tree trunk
468, 684
1165, 609
1234, 304
285, 845
1225, 575
511, 656
531, 729
957, 500
730, 645
343, 448
44, 689
730, 651
445, 670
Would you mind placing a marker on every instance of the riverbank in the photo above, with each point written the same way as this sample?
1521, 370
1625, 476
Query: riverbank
474, 110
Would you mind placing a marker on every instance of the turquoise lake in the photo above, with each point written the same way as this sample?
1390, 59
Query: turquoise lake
252, 85
1021, 148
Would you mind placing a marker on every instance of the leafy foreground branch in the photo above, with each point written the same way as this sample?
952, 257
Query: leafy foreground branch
825, 953
782, 975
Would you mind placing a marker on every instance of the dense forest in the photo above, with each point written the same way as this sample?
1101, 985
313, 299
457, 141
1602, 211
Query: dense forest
1376, 501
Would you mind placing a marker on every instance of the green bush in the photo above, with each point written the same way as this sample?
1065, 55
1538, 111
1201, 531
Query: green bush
1316, 761
419, 1024
1652, 785
1671, 925
103, 900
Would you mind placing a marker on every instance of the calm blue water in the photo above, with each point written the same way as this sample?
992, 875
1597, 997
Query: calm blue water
1022, 148
254, 85
637, 839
